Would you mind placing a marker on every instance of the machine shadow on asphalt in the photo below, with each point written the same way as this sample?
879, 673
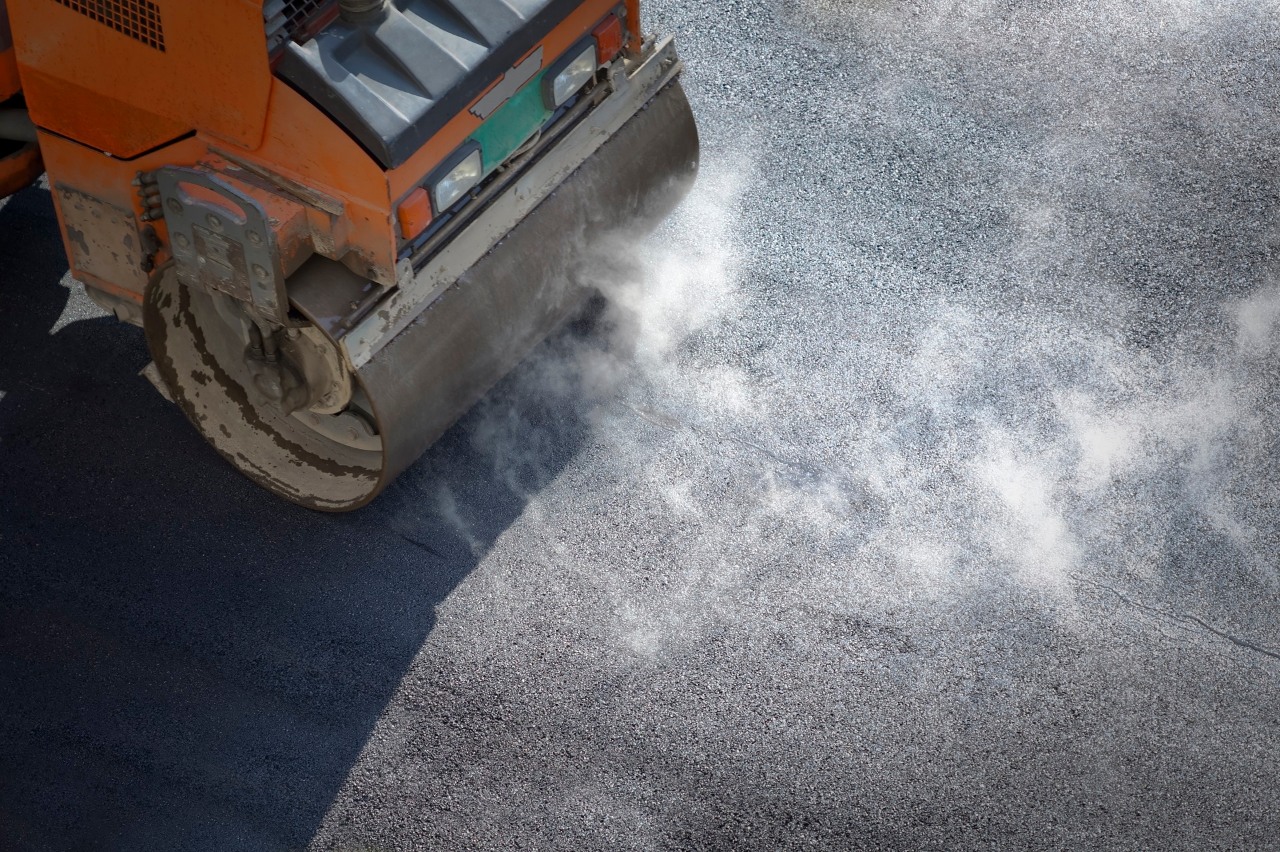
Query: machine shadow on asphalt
174, 641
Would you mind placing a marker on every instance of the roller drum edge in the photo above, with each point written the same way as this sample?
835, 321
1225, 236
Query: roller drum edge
525, 287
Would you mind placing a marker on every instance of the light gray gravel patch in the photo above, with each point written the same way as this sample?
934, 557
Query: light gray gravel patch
929, 496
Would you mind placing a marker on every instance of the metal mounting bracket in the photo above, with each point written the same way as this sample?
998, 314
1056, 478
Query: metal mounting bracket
222, 240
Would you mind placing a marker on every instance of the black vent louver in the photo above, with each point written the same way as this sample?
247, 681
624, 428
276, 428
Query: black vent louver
138, 19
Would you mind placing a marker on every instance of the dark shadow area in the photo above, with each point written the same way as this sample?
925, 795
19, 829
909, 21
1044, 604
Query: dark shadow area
188, 662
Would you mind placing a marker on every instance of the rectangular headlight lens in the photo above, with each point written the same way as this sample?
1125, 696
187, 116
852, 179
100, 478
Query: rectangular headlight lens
459, 180
573, 76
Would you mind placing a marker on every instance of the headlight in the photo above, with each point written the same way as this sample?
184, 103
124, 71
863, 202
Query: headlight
570, 74
456, 177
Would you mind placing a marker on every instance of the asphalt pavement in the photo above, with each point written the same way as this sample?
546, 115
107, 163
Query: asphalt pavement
918, 488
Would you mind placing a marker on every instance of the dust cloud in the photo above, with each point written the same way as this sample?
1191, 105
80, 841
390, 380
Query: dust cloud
918, 484
1003, 313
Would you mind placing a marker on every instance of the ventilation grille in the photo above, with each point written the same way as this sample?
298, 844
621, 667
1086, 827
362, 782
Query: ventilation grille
291, 19
138, 19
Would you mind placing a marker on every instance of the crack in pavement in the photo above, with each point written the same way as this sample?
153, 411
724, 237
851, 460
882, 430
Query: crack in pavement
418, 544
1183, 619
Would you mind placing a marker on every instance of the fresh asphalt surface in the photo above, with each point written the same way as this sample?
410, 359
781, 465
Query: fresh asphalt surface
918, 489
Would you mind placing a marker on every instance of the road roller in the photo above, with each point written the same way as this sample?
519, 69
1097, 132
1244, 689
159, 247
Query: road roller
341, 222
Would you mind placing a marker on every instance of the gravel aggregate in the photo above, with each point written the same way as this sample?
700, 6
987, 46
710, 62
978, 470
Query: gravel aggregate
918, 487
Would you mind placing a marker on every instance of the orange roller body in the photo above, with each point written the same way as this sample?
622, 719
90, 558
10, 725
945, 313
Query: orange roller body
298, 193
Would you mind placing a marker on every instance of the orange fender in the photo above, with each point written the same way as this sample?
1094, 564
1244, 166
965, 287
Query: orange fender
20, 168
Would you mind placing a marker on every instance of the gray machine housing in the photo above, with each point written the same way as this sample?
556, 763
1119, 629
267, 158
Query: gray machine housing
393, 81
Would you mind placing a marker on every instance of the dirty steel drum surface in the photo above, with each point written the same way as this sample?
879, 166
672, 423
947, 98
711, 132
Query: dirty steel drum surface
435, 370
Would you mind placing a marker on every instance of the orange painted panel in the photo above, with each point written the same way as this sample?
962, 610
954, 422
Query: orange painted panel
303, 144
148, 71
105, 123
19, 169
108, 180
635, 37
9, 84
